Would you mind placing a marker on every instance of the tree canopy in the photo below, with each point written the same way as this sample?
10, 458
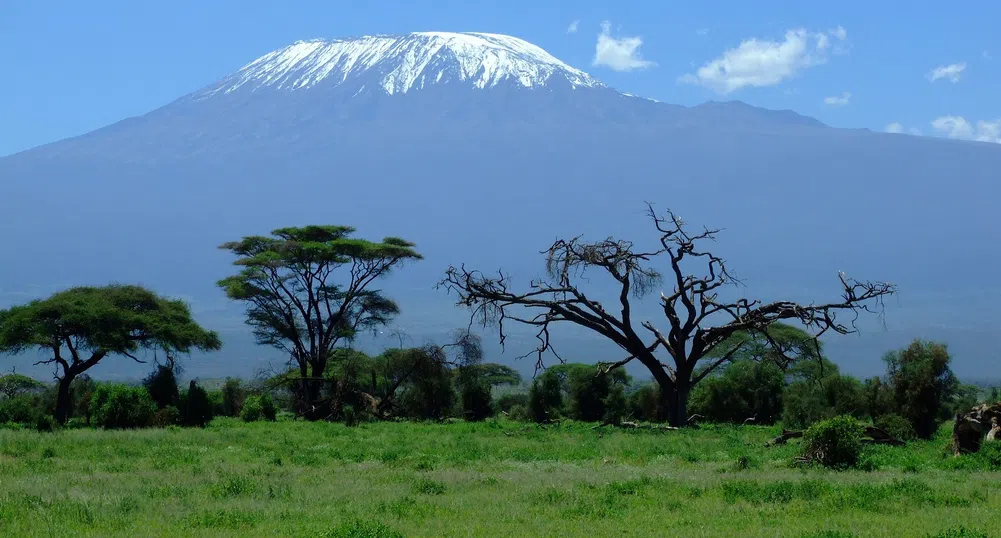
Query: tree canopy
13, 384
79, 327
308, 288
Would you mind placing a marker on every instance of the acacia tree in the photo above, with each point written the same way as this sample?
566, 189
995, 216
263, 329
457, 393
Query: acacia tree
79, 327
294, 303
14, 384
690, 309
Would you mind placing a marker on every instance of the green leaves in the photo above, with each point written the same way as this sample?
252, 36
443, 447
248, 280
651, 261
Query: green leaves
307, 288
116, 319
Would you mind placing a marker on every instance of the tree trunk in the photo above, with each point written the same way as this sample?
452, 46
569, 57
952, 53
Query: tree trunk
64, 401
675, 401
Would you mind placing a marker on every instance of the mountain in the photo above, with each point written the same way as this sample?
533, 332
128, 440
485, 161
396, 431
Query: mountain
482, 149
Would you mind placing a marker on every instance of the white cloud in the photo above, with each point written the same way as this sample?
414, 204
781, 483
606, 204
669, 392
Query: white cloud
572, 29
622, 54
702, 32
838, 100
759, 63
896, 127
958, 127
951, 72
839, 33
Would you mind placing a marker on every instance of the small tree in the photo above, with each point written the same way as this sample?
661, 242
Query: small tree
233, 396
922, 384
690, 309
196, 408
307, 289
12, 385
162, 386
81, 326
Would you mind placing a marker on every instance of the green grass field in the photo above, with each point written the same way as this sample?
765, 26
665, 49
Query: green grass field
491, 479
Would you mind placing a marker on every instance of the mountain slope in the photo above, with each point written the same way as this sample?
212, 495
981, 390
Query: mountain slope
486, 170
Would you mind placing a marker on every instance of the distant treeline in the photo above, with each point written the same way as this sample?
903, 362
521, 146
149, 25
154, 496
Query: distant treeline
917, 393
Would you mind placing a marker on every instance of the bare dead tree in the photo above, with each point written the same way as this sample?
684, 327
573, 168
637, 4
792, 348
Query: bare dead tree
689, 336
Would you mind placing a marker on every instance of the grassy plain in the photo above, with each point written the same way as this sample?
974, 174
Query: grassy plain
497, 478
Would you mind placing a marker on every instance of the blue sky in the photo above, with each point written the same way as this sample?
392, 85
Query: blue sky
76, 66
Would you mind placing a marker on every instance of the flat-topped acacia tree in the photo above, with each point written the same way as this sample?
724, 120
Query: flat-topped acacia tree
308, 289
79, 327
702, 332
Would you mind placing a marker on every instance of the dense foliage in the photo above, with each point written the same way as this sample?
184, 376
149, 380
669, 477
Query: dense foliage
835, 442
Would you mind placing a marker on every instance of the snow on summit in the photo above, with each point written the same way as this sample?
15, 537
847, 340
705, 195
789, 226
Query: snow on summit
403, 63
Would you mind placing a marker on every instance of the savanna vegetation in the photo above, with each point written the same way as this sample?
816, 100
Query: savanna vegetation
740, 425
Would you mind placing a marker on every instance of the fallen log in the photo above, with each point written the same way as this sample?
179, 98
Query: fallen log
786, 435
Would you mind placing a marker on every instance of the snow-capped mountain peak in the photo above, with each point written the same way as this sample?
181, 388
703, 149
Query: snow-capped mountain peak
401, 63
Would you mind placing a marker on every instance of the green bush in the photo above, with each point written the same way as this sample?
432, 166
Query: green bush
990, 454
834, 443
196, 407
162, 387
268, 409
507, 401
349, 415
744, 389
45, 423
252, 409
168, 416
519, 412
806, 402
897, 426
233, 396
645, 404
475, 399
121, 406
19, 409
545, 399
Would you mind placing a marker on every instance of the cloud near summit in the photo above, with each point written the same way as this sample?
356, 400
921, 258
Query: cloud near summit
619, 54
761, 62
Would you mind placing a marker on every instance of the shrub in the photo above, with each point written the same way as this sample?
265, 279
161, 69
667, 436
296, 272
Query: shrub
349, 415
743, 390
122, 406
475, 398
196, 408
507, 401
252, 409
807, 402
268, 409
162, 386
519, 412
645, 404
233, 397
168, 416
545, 400
897, 426
19, 409
834, 443
990, 455
45, 423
